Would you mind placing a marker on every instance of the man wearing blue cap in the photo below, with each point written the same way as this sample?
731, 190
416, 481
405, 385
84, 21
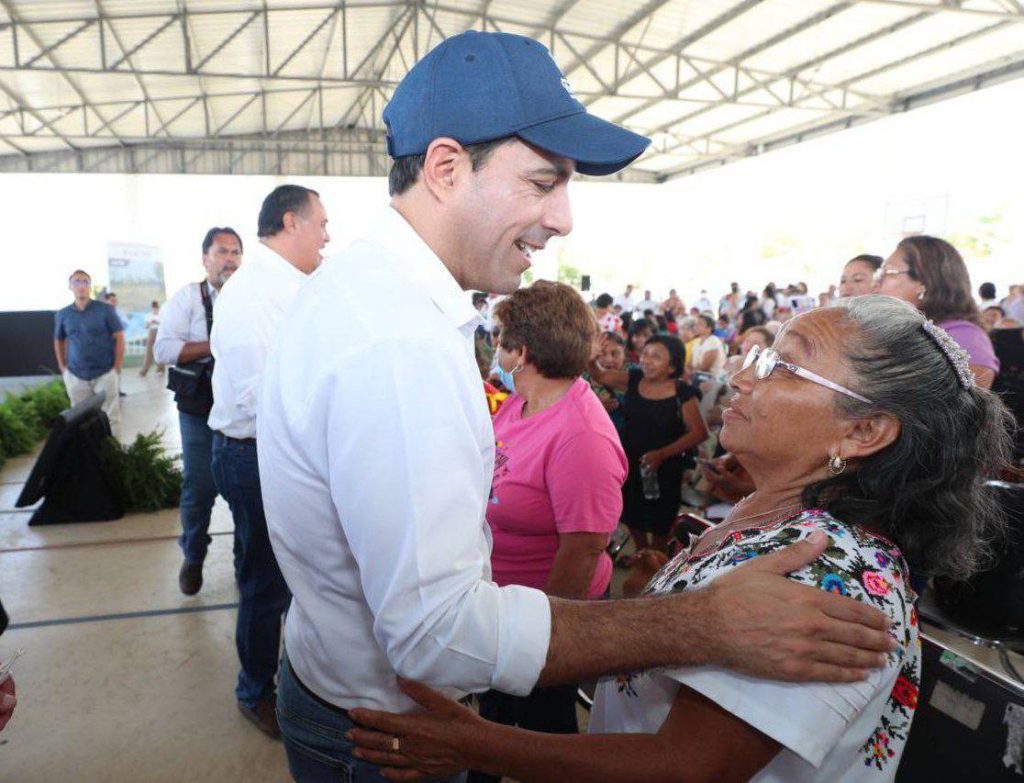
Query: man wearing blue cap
377, 450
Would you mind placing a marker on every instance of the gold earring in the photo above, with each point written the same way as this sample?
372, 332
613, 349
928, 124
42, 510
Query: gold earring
836, 465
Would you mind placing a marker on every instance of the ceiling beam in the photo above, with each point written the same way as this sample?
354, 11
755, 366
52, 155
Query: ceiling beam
947, 8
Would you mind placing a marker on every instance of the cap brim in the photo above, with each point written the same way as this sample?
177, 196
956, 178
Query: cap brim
599, 147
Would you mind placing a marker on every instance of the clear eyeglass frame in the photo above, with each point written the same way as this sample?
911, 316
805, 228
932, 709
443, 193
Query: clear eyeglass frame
766, 360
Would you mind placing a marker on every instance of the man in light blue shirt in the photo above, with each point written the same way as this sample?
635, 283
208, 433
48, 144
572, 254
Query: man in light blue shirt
88, 340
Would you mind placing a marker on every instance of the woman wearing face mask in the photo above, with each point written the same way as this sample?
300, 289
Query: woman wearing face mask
930, 274
858, 276
663, 423
558, 472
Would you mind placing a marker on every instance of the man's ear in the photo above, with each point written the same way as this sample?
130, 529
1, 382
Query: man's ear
442, 167
289, 222
870, 435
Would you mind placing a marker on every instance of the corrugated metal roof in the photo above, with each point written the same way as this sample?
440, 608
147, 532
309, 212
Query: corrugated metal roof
709, 81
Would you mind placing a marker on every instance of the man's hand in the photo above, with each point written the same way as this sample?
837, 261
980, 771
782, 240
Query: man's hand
8, 701
763, 624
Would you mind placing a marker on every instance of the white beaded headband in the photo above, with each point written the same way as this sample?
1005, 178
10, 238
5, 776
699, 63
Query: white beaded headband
957, 356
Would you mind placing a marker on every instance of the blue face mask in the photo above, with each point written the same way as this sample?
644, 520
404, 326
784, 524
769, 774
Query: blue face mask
508, 379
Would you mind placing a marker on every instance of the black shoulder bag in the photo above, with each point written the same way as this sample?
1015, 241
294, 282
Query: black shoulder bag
192, 382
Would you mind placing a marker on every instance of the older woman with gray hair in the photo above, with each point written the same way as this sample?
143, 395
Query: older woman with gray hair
862, 423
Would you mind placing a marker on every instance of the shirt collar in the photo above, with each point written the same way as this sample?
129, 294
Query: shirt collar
393, 232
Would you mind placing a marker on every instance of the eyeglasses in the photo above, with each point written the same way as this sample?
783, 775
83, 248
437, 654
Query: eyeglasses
882, 273
765, 361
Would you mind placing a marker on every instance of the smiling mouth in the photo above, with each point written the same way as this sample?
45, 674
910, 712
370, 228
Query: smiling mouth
526, 250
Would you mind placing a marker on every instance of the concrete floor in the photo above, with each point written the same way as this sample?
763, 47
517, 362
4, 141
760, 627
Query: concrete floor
123, 678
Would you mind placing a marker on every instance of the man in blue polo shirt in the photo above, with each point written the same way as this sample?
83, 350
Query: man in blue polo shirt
88, 339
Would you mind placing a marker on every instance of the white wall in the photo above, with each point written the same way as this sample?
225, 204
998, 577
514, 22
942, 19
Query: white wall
816, 204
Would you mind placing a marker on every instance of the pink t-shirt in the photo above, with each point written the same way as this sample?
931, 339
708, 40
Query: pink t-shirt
560, 471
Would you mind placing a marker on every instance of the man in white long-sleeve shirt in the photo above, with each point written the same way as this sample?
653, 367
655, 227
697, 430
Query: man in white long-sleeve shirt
292, 230
183, 344
377, 452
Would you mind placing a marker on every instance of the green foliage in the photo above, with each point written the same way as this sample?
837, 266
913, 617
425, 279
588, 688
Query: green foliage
17, 435
146, 478
25, 420
49, 402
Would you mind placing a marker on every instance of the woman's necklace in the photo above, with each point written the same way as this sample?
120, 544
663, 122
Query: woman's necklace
712, 536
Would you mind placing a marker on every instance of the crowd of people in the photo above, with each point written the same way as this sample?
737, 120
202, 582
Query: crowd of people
406, 532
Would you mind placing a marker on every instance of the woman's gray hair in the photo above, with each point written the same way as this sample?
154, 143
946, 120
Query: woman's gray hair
926, 491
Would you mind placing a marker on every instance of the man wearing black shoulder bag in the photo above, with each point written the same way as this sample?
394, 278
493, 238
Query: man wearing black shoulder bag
183, 344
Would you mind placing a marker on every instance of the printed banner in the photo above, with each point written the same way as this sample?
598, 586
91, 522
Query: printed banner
136, 275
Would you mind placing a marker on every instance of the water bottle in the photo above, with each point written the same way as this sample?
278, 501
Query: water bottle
649, 479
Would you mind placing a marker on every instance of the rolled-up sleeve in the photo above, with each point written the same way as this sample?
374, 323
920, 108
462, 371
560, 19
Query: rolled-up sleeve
410, 486
175, 328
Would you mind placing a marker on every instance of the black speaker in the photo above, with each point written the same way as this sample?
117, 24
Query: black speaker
71, 473
585, 283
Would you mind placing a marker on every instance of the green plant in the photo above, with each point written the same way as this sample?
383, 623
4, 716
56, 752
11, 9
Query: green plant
145, 477
49, 402
25, 419
17, 436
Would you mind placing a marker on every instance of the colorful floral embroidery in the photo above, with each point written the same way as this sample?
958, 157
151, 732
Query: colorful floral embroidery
856, 563
875, 583
878, 749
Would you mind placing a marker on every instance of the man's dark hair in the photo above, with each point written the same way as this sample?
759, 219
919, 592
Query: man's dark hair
478, 297
406, 170
154, 303
211, 235
79, 272
676, 352
1000, 310
282, 199
604, 300
724, 318
987, 290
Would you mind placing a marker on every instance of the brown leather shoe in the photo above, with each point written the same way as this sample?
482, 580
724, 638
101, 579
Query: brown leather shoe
190, 577
263, 715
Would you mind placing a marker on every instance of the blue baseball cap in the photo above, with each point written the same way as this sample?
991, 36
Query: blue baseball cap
477, 87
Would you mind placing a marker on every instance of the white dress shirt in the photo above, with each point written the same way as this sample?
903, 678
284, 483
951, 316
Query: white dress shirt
246, 317
647, 304
182, 320
376, 455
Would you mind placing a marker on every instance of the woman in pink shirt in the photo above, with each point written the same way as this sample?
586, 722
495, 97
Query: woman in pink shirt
558, 474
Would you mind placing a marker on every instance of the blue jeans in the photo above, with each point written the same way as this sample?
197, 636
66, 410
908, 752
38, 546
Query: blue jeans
263, 594
198, 492
314, 738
